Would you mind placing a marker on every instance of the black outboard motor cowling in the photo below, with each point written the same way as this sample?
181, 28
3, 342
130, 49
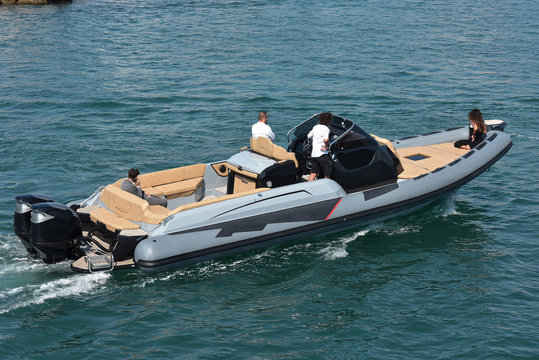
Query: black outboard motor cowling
54, 232
21, 219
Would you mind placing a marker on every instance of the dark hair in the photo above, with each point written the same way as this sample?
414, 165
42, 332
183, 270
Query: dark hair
325, 118
262, 115
476, 117
133, 173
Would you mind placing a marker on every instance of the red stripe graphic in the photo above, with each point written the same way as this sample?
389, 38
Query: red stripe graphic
337, 204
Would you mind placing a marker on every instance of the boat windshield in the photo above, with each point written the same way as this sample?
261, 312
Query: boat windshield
339, 127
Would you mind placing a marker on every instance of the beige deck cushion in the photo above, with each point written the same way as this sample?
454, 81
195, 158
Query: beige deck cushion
243, 184
153, 191
131, 207
171, 175
155, 214
215, 200
111, 221
124, 204
449, 147
242, 172
437, 155
118, 183
172, 183
243, 180
176, 189
388, 143
264, 146
411, 170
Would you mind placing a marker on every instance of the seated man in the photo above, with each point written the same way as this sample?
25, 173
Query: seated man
132, 185
261, 128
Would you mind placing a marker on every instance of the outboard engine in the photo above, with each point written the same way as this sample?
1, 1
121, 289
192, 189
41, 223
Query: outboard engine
54, 232
21, 221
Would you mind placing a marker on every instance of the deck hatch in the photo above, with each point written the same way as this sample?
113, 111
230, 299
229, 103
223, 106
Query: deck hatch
417, 157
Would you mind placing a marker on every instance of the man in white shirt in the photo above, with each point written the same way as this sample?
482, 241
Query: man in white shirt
261, 128
321, 162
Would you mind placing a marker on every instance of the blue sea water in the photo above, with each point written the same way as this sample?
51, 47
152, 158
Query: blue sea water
92, 88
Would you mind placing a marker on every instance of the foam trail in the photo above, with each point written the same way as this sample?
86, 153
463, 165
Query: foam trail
524, 136
24, 265
208, 269
337, 249
449, 205
414, 222
59, 288
17, 260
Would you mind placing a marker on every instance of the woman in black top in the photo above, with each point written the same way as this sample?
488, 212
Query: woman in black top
477, 130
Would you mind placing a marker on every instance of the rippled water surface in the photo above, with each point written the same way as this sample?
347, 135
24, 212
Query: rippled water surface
91, 88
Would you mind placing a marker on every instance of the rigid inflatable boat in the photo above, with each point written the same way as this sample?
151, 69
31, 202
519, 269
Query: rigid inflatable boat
256, 198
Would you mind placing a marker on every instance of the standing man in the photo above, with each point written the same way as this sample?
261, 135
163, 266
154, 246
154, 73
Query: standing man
321, 161
261, 128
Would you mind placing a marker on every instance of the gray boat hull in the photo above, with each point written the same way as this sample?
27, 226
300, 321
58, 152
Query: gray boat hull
307, 209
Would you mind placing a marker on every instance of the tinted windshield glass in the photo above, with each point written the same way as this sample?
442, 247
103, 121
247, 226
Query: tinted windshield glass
355, 135
338, 125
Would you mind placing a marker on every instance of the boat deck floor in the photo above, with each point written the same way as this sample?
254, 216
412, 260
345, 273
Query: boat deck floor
99, 263
419, 160
96, 260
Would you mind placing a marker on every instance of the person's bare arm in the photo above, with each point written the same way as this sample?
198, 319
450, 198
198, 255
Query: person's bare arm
326, 145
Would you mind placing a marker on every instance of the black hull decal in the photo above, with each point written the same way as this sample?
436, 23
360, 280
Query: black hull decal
371, 194
311, 212
261, 201
261, 239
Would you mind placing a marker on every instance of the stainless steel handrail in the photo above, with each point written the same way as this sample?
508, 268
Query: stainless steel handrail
340, 137
297, 126
333, 142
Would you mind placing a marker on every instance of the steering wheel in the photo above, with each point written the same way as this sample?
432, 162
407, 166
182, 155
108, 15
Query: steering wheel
307, 146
